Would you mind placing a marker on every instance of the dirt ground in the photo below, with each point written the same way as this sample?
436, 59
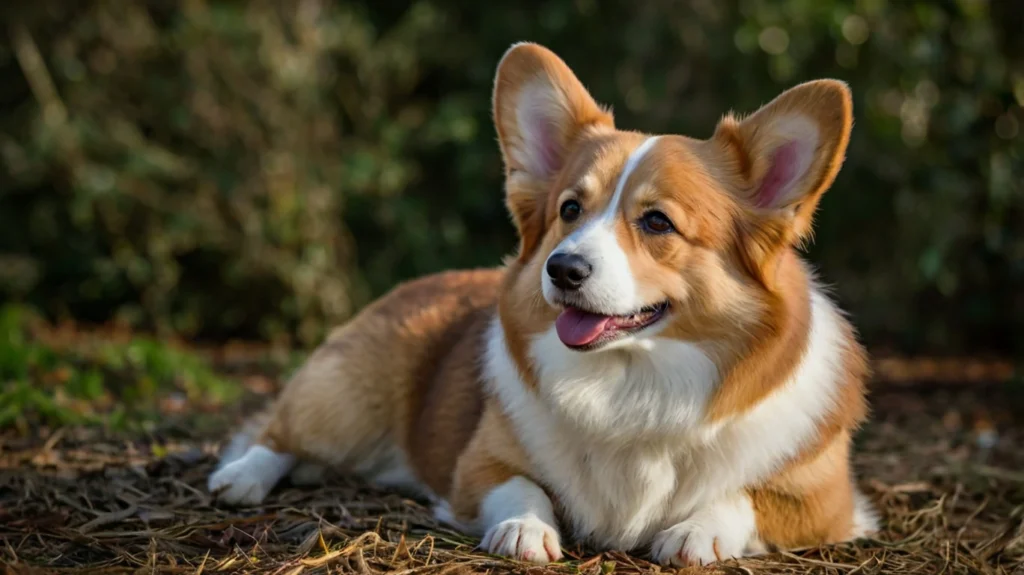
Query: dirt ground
944, 463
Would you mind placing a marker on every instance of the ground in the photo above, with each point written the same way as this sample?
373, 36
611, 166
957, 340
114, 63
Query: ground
943, 460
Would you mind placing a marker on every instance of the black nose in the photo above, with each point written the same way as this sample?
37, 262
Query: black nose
568, 271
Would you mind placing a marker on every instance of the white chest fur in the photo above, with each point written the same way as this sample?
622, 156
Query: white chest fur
618, 438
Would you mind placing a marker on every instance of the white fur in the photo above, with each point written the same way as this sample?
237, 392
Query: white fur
651, 391
248, 479
611, 287
235, 449
518, 521
865, 516
722, 530
634, 159
618, 435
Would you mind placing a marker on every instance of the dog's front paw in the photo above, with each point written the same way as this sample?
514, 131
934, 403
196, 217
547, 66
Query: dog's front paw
690, 543
526, 538
721, 531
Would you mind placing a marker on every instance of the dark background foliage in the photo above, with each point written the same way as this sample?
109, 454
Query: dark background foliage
262, 169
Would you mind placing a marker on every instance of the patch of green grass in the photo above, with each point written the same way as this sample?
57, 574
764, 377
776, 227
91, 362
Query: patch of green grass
114, 384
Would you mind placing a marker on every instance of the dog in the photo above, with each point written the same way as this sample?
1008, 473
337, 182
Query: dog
655, 369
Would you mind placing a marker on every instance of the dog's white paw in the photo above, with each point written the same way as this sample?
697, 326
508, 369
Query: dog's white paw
724, 530
235, 485
248, 479
526, 538
690, 543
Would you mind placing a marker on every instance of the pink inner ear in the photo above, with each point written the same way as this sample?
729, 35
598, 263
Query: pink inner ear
540, 142
547, 148
789, 162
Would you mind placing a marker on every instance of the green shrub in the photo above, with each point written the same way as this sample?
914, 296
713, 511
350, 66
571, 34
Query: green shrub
116, 384
262, 169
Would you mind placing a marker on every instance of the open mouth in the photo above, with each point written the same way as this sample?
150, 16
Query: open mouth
584, 330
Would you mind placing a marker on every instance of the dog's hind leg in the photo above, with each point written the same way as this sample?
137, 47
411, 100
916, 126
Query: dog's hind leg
248, 470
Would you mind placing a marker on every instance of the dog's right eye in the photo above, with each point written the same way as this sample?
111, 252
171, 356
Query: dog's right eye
570, 211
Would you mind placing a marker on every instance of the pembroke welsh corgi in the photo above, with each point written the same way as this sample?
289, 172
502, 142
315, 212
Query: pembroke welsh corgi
654, 370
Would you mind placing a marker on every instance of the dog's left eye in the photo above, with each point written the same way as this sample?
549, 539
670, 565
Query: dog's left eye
656, 223
570, 211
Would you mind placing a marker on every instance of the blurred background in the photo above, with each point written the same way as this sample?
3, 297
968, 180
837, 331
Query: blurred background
260, 170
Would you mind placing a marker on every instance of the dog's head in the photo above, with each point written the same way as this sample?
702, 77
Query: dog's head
624, 236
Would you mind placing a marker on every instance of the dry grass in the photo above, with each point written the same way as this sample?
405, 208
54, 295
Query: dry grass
946, 466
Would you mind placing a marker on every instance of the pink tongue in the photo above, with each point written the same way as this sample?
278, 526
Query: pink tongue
578, 328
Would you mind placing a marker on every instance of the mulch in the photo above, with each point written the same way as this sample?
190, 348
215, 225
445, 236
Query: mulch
944, 463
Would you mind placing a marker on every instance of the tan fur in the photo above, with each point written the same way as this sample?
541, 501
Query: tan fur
491, 458
403, 372
403, 378
406, 372
810, 504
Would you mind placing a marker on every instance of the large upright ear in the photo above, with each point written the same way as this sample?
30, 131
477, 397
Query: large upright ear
783, 158
540, 108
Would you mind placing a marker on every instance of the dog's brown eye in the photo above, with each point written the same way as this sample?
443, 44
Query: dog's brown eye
570, 210
656, 223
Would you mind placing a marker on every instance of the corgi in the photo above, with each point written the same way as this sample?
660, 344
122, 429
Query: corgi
655, 369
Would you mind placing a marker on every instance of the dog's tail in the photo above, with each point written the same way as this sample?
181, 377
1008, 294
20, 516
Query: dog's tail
244, 438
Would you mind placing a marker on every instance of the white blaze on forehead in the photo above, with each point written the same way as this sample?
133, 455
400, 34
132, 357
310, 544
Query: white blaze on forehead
611, 288
632, 162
